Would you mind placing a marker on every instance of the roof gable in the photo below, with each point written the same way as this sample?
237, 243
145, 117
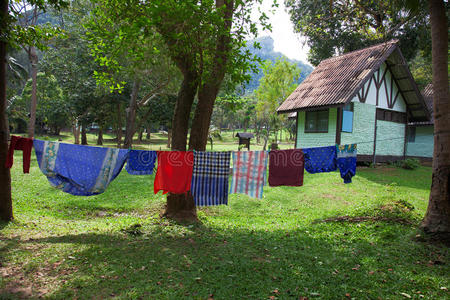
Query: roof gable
336, 80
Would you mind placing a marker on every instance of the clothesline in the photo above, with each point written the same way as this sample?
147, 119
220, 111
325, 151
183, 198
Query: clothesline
85, 170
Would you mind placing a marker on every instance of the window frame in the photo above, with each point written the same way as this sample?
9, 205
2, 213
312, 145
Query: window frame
316, 121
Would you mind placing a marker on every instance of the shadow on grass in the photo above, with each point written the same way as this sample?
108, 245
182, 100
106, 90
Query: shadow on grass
173, 262
387, 175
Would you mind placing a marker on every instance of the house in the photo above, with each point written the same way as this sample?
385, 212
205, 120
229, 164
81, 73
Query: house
366, 97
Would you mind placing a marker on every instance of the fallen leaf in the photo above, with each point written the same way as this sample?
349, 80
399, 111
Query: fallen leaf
275, 291
371, 272
444, 288
158, 283
347, 295
406, 295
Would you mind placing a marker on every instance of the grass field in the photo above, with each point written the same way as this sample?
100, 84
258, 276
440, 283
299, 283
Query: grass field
158, 141
325, 240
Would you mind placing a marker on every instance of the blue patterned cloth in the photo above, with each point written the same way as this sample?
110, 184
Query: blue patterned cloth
79, 170
346, 161
320, 159
141, 162
209, 184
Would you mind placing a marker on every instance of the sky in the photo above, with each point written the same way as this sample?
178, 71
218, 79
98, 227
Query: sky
285, 40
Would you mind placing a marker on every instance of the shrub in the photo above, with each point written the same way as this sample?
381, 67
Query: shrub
408, 164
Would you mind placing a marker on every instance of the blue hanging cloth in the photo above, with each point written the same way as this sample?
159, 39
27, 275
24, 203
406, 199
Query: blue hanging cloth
79, 170
320, 159
346, 161
141, 162
210, 174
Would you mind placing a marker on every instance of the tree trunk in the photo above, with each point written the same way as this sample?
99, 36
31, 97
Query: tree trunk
83, 135
169, 138
148, 131
76, 133
32, 56
140, 135
119, 124
437, 217
6, 212
131, 116
100, 136
202, 117
182, 206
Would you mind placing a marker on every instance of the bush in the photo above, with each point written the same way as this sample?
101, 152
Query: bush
408, 164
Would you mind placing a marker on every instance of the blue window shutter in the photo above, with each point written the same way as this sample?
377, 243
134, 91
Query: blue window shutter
347, 121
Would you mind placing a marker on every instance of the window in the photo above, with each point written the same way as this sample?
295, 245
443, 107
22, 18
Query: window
347, 118
411, 134
316, 121
391, 116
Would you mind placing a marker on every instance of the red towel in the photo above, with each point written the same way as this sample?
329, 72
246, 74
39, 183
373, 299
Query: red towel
174, 173
286, 167
20, 143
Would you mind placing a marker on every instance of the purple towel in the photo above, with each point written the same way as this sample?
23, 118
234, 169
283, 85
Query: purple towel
286, 167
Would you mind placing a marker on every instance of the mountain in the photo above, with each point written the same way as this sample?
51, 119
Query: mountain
267, 53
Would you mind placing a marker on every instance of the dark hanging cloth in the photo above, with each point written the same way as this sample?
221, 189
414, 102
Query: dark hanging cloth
141, 162
346, 161
20, 143
320, 159
210, 178
286, 167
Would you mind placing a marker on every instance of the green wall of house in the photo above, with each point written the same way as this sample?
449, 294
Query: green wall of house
423, 144
363, 128
307, 140
390, 138
390, 135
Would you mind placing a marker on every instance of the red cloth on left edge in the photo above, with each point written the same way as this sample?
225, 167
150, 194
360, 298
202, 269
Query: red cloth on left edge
20, 143
174, 172
286, 167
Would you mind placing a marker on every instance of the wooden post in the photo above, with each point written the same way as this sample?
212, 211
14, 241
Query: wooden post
296, 129
339, 124
374, 160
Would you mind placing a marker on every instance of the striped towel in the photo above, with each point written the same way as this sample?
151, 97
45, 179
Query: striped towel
249, 173
210, 178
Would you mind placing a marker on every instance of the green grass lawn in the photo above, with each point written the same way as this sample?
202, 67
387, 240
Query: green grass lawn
158, 141
325, 240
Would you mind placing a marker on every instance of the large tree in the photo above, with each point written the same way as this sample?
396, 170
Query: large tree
12, 35
437, 217
204, 40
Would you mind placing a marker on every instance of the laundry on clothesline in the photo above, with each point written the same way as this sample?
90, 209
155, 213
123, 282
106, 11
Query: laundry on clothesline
286, 167
210, 178
249, 173
20, 143
320, 159
141, 162
79, 170
174, 172
346, 161
85, 171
